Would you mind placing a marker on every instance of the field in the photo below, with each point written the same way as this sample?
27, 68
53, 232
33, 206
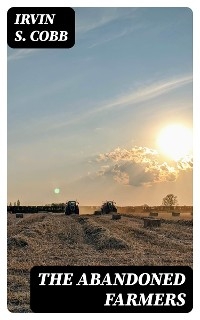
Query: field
88, 239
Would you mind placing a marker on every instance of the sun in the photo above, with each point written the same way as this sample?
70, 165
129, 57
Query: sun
175, 141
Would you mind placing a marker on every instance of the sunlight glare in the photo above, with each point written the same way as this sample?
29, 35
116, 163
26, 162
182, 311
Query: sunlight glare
175, 141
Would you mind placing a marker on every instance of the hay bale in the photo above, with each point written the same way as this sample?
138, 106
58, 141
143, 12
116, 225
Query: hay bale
116, 216
19, 215
97, 213
175, 214
149, 222
153, 214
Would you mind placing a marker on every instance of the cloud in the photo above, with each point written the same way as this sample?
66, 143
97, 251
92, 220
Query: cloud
101, 17
138, 95
140, 166
115, 35
185, 163
109, 38
145, 93
21, 54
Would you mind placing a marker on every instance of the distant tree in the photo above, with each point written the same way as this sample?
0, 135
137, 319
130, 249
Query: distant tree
10, 204
170, 200
14, 203
18, 203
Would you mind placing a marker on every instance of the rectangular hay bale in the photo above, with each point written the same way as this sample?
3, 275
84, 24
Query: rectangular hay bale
149, 222
19, 215
116, 216
153, 214
175, 214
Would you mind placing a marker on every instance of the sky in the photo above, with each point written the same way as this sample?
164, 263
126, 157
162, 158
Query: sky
86, 119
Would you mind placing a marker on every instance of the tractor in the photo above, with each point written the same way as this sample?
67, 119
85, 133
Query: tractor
71, 207
108, 206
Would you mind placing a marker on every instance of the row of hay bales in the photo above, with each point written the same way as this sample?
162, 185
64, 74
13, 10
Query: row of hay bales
150, 221
151, 214
34, 209
155, 214
154, 222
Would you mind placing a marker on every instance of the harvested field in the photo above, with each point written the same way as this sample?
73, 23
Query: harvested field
88, 239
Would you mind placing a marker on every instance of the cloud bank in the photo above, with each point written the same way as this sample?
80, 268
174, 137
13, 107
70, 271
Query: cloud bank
140, 166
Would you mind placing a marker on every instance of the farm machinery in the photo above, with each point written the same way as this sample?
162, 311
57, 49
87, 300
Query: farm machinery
36, 209
71, 207
108, 206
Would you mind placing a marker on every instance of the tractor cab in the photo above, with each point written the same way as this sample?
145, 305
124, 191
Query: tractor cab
71, 207
108, 206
